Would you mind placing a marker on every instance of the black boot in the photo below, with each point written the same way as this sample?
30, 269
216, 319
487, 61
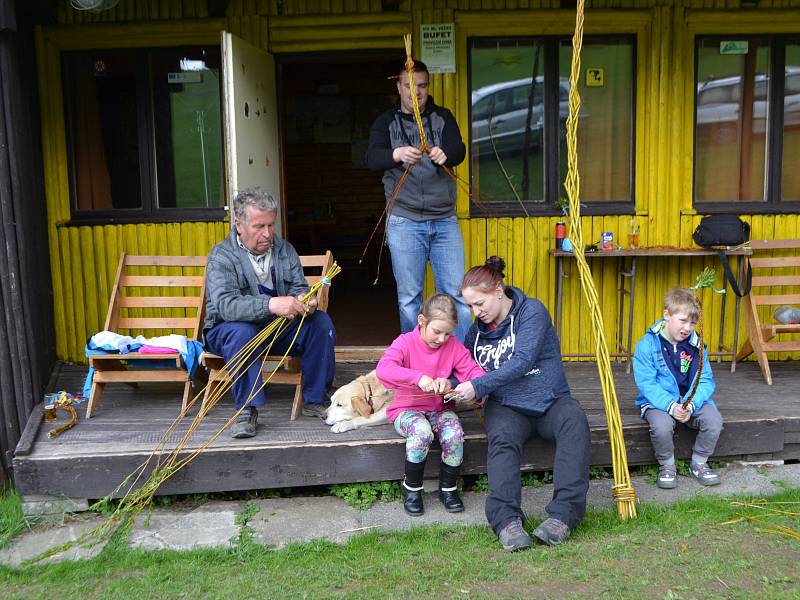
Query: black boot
411, 489
448, 488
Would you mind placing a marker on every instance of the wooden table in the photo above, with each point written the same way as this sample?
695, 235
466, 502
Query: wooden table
630, 255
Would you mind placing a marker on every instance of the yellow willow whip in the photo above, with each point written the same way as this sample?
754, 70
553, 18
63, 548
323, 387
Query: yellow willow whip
412, 87
624, 494
164, 467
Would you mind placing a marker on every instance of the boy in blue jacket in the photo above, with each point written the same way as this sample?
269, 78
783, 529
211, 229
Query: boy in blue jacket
665, 367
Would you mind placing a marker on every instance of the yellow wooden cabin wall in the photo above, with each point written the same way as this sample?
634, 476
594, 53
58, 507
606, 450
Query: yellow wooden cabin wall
83, 259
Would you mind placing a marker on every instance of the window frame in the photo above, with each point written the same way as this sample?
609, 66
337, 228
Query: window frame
551, 174
149, 211
51, 41
773, 161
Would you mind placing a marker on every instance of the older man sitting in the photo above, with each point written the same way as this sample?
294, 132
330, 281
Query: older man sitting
253, 277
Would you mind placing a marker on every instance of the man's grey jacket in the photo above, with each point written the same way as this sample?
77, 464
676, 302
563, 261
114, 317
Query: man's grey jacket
232, 292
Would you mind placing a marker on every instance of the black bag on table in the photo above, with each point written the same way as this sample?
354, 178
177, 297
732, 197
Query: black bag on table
725, 230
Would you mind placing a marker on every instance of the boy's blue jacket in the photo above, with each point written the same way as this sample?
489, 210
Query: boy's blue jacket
658, 387
521, 356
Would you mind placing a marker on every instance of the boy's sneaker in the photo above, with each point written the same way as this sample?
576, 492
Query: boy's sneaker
704, 474
514, 538
667, 477
552, 532
245, 424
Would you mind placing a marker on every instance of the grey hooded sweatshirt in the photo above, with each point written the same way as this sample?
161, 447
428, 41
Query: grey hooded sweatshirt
429, 192
521, 356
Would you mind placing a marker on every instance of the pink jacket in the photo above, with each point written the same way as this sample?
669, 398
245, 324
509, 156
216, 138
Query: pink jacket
409, 358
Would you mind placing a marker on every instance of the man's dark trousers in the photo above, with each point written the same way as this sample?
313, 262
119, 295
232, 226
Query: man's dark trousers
314, 344
507, 430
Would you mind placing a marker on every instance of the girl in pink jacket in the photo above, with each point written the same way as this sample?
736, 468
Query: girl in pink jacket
419, 365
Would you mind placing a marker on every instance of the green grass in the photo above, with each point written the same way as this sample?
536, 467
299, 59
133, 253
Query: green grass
684, 551
12, 521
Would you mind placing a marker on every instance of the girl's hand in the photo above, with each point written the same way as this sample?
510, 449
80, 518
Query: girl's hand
426, 384
465, 391
442, 385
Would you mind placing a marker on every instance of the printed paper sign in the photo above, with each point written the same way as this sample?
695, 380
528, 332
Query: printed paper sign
437, 48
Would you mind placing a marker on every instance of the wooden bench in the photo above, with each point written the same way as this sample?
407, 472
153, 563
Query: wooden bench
131, 310
785, 291
290, 373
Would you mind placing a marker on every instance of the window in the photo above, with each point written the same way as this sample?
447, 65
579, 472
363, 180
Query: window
519, 107
747, 123
144, 134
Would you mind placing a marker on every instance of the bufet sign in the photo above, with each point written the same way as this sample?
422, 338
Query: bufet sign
437, 48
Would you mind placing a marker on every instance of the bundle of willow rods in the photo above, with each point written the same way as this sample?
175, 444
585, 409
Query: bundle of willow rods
705, 279
624, 494
166, 463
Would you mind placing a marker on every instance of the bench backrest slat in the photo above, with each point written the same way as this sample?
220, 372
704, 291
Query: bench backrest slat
134, 306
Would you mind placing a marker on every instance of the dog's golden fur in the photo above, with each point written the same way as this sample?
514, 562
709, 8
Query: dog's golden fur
350, 407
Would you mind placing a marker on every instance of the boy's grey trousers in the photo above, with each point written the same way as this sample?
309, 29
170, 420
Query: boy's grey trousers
707, 421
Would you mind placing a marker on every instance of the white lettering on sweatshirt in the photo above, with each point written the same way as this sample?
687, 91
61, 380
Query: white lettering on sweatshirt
497, 353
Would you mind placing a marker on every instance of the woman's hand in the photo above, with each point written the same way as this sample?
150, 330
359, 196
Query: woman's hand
465, 391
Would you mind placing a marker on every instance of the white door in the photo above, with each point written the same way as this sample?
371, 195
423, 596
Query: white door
250, 106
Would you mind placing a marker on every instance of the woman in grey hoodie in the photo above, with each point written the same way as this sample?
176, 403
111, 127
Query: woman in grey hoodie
513, 340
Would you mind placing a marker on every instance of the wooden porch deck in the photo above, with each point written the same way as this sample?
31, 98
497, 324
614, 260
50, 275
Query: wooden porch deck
90, 460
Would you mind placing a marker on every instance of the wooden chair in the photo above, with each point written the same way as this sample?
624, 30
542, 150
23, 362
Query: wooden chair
290, 372
137, 313
761, 333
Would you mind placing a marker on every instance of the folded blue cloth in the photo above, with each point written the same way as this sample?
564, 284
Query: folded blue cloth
107, 342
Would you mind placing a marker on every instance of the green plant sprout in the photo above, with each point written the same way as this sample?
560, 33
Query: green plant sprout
706, 279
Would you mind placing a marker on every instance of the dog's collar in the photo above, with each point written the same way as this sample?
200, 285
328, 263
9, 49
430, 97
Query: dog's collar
364, 406
368, 395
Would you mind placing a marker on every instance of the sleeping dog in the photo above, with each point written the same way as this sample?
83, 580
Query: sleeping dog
360, 403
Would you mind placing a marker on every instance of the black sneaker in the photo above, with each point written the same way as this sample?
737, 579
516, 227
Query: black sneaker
704, 474
514, 538
552, 532
667, 477
245, 424
314, 410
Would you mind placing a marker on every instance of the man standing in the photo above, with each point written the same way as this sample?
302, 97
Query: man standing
422, 224
253, 277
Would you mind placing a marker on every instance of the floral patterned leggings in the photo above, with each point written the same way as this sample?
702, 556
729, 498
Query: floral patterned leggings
419, 427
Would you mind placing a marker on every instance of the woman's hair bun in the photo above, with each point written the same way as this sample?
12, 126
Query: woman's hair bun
495, 263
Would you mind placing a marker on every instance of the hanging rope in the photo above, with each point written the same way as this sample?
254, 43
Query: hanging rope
624, 494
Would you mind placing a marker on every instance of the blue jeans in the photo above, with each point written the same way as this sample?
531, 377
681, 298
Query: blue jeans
413, 244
